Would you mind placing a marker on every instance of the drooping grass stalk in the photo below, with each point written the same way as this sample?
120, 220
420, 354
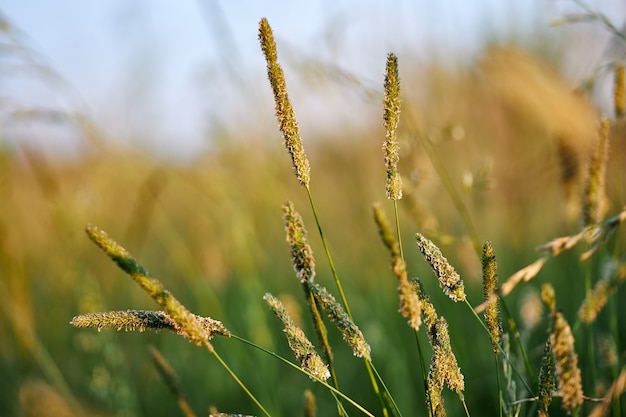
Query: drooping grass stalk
492, 314
298, 342
597, 234
171, 380
188, 325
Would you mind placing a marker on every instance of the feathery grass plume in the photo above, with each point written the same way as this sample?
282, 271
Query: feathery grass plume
349, 331
594, 196
309, 404
567, 371
617, 389
597, 298
449, 280
299, 344
548, 296
490, 282
443, 367
410, 305
391, 117
143, 320
190, 327
301, 252
547, 377
285, 114
171, 380
619, 91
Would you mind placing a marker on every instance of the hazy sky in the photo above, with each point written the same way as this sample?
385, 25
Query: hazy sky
168, 72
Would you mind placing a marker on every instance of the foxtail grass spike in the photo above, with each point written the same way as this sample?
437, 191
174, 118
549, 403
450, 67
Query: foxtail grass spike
142, 320
594, 194
597, 298
490, 283
190, 326
287, 122
350, 331
410, 305
449, 280
567, 371
619, 91
391, 117
547, 377
301, 252
548, 296
300, 345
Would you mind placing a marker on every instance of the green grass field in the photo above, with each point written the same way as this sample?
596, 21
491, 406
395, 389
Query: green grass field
498, 151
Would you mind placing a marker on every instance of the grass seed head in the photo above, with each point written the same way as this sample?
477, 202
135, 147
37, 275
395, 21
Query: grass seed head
349, 331
300, 345
391, 117
449, 280
594, 204
619, 91
567, 370
301, 252
490, 283
285, 114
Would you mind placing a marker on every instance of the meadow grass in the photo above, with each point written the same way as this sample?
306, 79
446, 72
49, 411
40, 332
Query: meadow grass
367, 338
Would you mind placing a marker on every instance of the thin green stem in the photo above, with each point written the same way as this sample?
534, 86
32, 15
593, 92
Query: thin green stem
499, 386
293, 365
390, 399
519, 375
343, 298
423, 369
234, 376
457, 200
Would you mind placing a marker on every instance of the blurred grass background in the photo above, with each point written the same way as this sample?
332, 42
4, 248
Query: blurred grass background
211, 230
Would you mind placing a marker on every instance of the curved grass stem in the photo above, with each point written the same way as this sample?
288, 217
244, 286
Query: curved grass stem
332, 389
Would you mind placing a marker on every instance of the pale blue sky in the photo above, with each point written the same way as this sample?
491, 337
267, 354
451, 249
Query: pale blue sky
165, 71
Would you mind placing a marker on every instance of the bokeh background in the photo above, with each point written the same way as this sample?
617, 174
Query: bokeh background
155, 121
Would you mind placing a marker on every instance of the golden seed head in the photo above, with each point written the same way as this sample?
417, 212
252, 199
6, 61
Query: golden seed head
567, 371
190, 327
490, 283
301, 252
449, 280
300, 345
594, 205
410, 304
285, 114
548, 296
391, 117
349, 331
145, 320
596, 299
